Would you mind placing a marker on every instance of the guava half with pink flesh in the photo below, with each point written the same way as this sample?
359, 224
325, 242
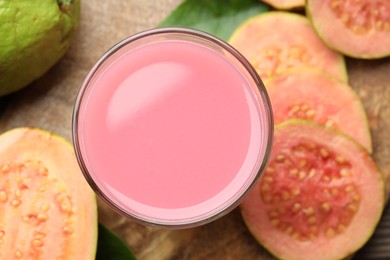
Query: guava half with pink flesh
276, 41
312, 95
47, 209
285, 4
320, 197
358, 29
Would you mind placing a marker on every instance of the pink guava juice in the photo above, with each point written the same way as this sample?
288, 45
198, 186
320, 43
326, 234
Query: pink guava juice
172, 127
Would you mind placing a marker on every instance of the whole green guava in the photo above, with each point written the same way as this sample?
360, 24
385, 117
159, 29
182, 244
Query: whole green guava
34, 35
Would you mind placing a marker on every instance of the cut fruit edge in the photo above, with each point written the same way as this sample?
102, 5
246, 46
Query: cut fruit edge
61, 189
369, 45
364, 222
299, 78
268, 54
286, 4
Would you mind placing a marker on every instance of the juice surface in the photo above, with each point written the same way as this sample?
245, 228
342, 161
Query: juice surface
170, 125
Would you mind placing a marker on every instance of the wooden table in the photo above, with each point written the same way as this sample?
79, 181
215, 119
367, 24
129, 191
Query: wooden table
48, 104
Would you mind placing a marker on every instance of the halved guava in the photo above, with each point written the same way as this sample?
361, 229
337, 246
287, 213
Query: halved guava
320, 197
285, 4
312, 95
276, 41
47, 209
359, 29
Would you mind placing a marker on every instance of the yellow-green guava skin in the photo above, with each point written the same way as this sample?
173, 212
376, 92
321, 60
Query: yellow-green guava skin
34, 35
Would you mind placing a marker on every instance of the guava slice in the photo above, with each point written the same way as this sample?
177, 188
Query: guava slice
312, 95
34, 36
358, 29
276, 41
47, 209
320, 197
285, 4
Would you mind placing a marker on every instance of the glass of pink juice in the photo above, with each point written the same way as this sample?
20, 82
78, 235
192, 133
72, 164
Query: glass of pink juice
172, 127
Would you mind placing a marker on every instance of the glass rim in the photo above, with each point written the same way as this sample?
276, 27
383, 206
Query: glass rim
266, 105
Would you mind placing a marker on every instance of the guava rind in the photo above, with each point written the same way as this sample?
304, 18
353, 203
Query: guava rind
365, 174
277, 40
370, 45
285, 4
49, 201
34, 37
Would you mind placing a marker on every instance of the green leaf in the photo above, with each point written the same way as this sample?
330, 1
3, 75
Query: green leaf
111, 247
218, 17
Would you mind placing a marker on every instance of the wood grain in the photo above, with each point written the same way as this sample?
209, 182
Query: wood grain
48, 104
